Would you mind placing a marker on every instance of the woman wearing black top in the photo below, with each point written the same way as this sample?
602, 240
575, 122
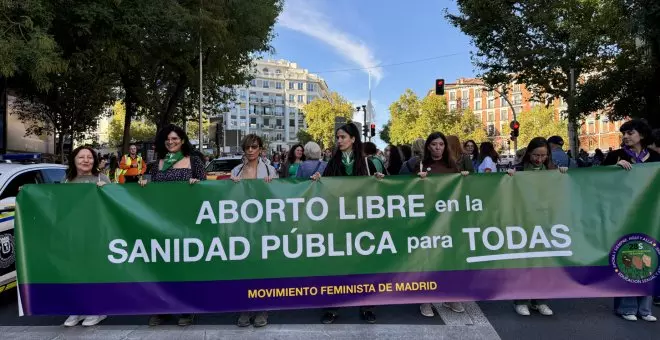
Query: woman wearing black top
637, 136
348, 160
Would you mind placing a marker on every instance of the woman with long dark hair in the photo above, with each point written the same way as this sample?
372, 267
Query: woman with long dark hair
463, 161
175, 162
84, 168
637, 137
488, 158
348, 160
470, 148
394, 159
293, 160
538, 157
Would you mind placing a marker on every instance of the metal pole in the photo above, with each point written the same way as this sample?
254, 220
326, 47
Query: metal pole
201, 102
364, 108
572, 128
515, 117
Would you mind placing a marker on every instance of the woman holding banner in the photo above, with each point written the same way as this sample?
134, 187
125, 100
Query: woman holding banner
538, 156
175, 163
84, 168
637, 137
253, 167
348, 160
438, 159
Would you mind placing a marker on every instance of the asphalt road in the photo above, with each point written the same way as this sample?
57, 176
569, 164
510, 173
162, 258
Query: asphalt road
583, 319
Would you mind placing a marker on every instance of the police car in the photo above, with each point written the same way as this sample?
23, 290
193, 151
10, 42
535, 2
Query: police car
12, 178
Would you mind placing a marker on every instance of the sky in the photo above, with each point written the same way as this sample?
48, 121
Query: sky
326, 36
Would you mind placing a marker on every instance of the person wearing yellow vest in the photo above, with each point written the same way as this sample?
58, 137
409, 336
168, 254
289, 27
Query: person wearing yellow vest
131, 167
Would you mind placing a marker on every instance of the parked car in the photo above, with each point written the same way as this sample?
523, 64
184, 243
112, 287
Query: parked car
12, 178
220, 168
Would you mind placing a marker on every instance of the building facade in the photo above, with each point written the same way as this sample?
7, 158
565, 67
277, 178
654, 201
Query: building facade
496, 114
271, 106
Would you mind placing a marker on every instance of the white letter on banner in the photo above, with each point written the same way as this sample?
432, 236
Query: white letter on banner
270, 210
358, 243
500, 238
556, 232
412, 205
206, 213
216, 249
375, 207
471, 232
294, 210
224, 210
186, 250
114, 248
260, 211
324, 209
138, 252
232, 248
398, 205
267, 246
315, 241
342, 210
509, 237
538, 236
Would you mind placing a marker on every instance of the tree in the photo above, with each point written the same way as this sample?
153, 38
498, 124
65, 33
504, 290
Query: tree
405, 113
304, 137
384, 133
540, 122
140, 130
320, 117
539, 42
467, 126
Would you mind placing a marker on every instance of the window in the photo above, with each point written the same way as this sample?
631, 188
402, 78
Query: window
491, 94
592, 128
517, 99
477, 105
292, 98
265, 70
502, 127
278, 122
504, 114
309, 99
477, 94
266, 84
491, 130
253, 121
301, 98
491, 116
503, 102
516, 87
310, 87
452, 95
278, 72
466, 94
465, 103
253, 109
279, 111
267, 110
278, 85
292, 122
491, 103
452, 107
253, 82
292, 85
266, 121
53, 175
301, 85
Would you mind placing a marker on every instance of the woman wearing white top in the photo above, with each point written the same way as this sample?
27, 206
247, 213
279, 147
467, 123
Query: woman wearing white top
487, 158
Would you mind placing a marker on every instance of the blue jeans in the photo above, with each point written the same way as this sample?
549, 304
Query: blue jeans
640, 305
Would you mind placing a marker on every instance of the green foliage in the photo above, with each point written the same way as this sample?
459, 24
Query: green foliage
320, 117
540, 122
384, 133
413, 118
304, 137
140, 131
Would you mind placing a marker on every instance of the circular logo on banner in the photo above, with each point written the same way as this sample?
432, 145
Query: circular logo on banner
7, 256
635, 258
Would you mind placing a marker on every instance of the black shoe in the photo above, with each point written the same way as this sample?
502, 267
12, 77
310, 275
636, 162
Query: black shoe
368, 316
156, 320
243, 320
328, 318
186, 319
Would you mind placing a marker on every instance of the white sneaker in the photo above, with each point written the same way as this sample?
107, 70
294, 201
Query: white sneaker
93, 320
629, 317
427, 310
521, 310
455, 306
73, 320
543, 309
649, 318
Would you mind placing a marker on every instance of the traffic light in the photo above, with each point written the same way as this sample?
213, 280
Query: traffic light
515, 127
373, 129
365, 130
440, 87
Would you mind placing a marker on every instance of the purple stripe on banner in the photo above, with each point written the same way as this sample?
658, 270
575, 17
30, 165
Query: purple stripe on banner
225, 296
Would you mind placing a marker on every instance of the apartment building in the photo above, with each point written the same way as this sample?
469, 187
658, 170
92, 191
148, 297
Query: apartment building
496, 114
271, 106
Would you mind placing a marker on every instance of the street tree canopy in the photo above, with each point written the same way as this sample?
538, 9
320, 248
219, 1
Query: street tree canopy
140, 130
320, 117
540, 121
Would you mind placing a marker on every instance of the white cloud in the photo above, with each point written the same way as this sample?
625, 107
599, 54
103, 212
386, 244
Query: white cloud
301, 16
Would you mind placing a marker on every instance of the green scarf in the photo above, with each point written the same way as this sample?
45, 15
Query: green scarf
171, 159
530, 166
348, 161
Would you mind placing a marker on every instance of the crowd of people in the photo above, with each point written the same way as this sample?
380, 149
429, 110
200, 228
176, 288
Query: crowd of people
177, 161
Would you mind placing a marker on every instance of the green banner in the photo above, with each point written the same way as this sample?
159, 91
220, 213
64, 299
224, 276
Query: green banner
222, 246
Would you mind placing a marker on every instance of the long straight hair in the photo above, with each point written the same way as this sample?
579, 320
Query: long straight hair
335, 165
446, 156
539, 142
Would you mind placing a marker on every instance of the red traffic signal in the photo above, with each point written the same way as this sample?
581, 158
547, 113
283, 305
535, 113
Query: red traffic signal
515, 125
440, 87
373, 129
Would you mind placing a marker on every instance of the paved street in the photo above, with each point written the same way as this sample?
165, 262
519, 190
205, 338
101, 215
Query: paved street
575, 319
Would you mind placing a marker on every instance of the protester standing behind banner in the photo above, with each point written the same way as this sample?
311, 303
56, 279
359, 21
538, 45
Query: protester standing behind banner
410, 165
463, 162
313, 164
394, 160
371, 152
470, 148
84, 168
254, 167
488, 158
294, 158
175, 162
348, 160
438, 160
132, 166
637, 137
538, 156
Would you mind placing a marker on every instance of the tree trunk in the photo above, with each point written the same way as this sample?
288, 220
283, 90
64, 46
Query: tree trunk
166, 116
130, 112
61, 140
